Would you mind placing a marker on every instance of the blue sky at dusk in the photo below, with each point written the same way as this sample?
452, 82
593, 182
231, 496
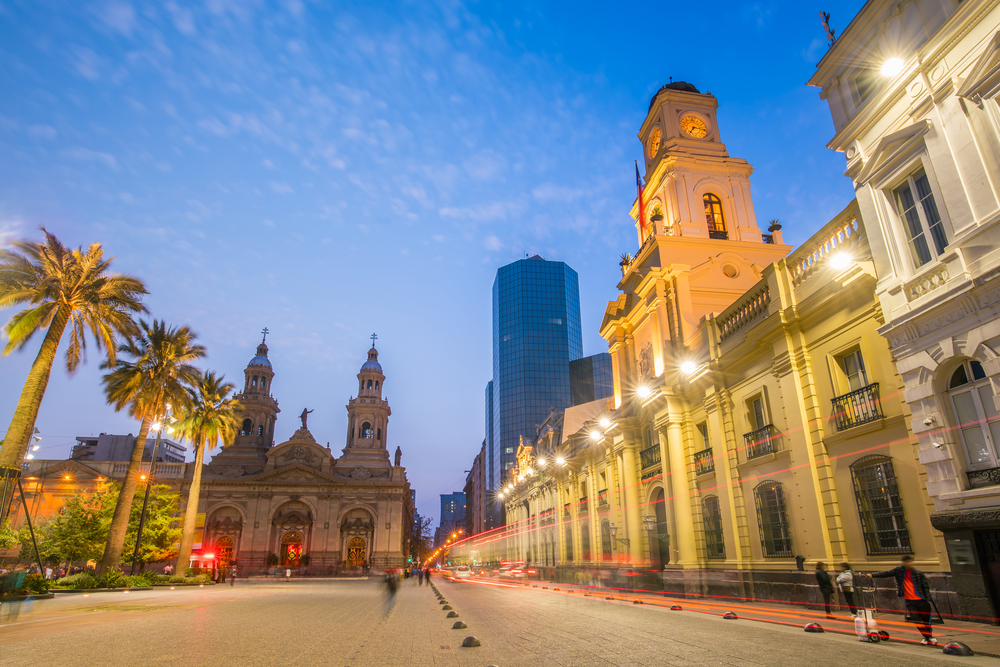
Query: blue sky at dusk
332, 169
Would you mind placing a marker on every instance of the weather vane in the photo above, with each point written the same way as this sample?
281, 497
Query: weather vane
831, 34
265, 332
373, 339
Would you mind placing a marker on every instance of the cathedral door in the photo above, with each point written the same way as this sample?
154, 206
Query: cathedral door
224, 549
356, 552
291, 548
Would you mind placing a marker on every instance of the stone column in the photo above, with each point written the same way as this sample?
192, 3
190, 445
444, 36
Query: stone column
633, 521
681, 492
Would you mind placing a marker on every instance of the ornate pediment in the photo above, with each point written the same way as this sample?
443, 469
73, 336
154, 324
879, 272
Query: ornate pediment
360, 474
71, 467
984, 74
295, 473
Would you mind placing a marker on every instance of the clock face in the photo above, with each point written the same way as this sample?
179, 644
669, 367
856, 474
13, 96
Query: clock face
694, 126
654, 142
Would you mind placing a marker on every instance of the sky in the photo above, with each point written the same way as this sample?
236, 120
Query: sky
330, 170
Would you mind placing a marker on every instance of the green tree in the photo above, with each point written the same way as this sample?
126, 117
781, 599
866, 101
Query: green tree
65, 289
160, 532
152, 375
9, 538
209, 416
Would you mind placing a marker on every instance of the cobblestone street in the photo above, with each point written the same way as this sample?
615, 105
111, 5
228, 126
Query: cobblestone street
346, 624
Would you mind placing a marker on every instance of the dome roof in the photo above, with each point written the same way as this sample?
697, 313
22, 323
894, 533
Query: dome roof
675, 85
372, 365
260, 360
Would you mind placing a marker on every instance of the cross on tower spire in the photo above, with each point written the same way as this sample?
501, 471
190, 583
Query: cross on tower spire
373, 339
265, 332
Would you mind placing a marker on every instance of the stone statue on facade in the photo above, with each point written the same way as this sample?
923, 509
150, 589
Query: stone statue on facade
304, 416
399, 455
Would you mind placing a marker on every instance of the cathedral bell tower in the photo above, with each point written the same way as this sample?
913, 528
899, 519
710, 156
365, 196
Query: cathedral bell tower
260, 408
368, 414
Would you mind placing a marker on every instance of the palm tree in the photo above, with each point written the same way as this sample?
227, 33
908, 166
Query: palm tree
154, 379
209, 416
65, 288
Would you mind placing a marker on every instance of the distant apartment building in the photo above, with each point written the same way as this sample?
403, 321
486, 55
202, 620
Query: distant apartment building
475, 496
107, 447
452, 516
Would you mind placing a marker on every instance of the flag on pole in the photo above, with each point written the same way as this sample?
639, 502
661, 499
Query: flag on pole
642, 206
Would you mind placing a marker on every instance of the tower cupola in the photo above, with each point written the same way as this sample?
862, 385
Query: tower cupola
261, 409
368, 414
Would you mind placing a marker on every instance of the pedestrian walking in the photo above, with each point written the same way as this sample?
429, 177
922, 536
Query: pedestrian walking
427, 575
845, 579
288, 574
420, 577
825, 587
391, 586
913, 587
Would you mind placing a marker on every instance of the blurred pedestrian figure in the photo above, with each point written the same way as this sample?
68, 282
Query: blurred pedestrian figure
913, 587
420, 577
391, 586
427, 575
846, 582
825, 586
232, 576
288, 574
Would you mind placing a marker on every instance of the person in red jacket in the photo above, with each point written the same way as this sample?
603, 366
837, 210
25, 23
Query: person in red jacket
912, 586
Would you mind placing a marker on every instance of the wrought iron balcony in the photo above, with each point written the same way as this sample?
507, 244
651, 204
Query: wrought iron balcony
760, 442
584, 506
860, 406
722, 236
703, 462
602, 498
980, 478
650, 456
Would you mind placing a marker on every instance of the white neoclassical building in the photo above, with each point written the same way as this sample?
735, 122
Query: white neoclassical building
912, 87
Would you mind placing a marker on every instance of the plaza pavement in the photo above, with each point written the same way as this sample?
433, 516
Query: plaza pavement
348, 624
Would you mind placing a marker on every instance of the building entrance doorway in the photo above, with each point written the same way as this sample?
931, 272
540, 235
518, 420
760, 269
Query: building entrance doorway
356, 552
224, 550
291, 548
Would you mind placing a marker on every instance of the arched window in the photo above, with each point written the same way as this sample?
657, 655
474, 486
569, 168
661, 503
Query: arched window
713, 216
254, 383
260, 430
585, 542
263, 382
378, 434
366, 431
369, 384
606, 540
247, 427
881, 510
772, 520
976, 417
376, 385
711, 516
569, 544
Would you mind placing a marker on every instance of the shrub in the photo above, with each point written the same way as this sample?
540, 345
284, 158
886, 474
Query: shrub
36, 583
112, 579
272, 560
161, 579
81, 580
202, 579
136, 581
176, 579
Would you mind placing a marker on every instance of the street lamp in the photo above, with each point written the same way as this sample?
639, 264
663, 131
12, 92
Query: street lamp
614, 535
605, 422
840, 261
149, 484
643, 391
688, 367
892, 67
560, 461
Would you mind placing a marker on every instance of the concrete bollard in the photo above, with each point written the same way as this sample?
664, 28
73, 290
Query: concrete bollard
471, 642
813, 627
676, 607
459, 625
956, 648
452, 614
447, 607
731, 615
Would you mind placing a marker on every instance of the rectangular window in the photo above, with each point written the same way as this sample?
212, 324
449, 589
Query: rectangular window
853, 366
921, 219
703, 431
863, 81
879, 506
757, 413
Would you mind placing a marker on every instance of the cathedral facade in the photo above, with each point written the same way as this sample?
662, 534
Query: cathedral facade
294, 503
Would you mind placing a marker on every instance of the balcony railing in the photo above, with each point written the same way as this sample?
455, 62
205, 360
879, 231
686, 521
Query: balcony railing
602, 498
760, 442
857, 407
583, 508
650, 456
162, 469
566, 511
703, 462
988, 477
722, 236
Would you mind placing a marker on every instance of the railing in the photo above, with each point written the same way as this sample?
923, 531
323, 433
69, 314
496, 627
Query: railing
767, 238
650, 456
704, 463
927, 283
744, 313
980, 478
162, 469
602, 498
722, 236
760, 442
857, 407
583, 508
842, 237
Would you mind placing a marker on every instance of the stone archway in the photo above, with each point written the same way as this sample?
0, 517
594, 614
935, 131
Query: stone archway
357, 552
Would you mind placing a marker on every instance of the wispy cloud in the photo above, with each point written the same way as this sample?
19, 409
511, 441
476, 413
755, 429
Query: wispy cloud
87, 155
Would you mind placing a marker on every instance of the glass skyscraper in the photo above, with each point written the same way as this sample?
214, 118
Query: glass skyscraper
536, 334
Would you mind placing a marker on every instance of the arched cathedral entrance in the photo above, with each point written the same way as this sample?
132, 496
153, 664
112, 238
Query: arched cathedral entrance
356, 552
291, 548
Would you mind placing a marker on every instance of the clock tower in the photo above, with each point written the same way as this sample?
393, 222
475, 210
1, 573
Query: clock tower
694, 189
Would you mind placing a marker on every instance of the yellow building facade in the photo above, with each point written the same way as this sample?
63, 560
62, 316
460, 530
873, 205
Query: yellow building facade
758, 419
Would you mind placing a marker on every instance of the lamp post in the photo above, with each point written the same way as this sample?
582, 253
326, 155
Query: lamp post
149, 485
614, 535
650, 523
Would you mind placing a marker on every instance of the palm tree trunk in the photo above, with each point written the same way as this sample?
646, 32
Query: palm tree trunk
191, 511
15, 443
123, 509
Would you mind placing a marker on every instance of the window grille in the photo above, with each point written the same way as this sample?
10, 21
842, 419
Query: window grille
715, 545
879, 506
775, 537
